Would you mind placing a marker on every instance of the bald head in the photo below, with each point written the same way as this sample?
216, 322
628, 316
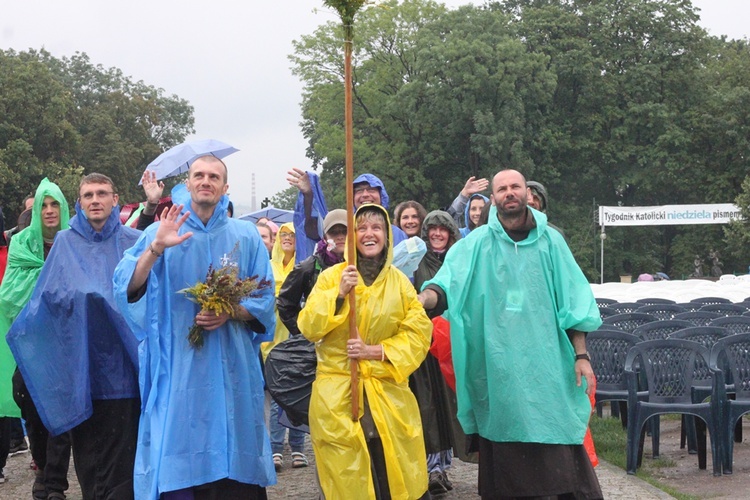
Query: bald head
210, 160
509, 193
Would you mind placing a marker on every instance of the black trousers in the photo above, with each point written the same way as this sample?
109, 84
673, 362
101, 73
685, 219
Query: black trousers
104, 449
50, 453
5, 423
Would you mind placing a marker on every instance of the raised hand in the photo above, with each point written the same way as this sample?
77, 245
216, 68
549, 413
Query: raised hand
153, 188
474, 185
299, 179
167, 235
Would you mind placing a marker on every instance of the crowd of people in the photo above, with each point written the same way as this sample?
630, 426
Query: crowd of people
95, 356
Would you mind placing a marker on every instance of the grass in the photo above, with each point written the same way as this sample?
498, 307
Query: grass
611, 440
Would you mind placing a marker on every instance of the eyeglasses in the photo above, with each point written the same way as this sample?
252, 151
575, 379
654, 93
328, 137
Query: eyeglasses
286, 235
366, 189
89, 195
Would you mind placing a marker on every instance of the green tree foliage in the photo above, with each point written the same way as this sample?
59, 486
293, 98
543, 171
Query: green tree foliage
607, 102
63, 118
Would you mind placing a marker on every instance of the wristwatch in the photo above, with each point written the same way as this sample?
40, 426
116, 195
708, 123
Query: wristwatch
585, 356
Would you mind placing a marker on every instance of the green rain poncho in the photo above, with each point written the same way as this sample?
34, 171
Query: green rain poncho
509, 306
25, 260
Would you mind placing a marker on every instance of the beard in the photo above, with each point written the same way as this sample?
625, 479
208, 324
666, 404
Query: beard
514, 212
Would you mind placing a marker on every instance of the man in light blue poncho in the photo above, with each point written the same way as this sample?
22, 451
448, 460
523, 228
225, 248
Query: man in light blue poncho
519, 305
202, 429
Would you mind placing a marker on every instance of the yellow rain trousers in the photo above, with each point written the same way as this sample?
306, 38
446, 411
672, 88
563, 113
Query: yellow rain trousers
388, 313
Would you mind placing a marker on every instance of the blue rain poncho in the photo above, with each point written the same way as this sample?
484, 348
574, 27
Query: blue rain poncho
509, 306
202, 409
304, 245
25, 261
71, 344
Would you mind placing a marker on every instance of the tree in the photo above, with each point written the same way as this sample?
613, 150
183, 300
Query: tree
613, 102
63, 118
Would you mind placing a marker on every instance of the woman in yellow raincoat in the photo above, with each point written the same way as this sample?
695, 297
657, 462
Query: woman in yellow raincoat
393, 338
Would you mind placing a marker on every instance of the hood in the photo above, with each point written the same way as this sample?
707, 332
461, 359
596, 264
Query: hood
181, 196
440, 218
389, 229
474, 196
374, 182
277, 254
33, 233
534, 234
80, 224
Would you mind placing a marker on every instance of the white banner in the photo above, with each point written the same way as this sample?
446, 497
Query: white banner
717, 213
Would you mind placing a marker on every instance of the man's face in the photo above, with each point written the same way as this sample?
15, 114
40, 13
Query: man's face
509, 190
265, 235
50, 213
475, 210
97, 201
207, 182
532, 200
364, 193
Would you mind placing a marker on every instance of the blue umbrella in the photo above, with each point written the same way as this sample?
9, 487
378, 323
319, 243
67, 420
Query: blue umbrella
277, 215
177, 160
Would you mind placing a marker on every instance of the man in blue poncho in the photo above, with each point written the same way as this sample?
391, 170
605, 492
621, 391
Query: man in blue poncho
311, 207
519, 305
74, 349
202, 431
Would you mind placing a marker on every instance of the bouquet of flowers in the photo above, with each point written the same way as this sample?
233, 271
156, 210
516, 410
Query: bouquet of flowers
221, 293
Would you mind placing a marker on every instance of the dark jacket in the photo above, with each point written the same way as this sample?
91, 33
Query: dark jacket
297, 286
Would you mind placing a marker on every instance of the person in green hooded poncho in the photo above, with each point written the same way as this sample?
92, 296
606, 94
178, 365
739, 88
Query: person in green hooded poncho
519, 307
26, 255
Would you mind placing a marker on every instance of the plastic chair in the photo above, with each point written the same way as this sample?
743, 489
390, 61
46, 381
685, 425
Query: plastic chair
669, 366
734, 353
690, 306
629, 321
698, 318
602, 302
711, 300
653, 301
662, 311
706, 336
660, 329
608, 349
625, 307
606, 312
735, 324
725, 309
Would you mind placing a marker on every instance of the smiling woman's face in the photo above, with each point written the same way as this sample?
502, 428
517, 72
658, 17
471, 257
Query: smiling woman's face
371, 234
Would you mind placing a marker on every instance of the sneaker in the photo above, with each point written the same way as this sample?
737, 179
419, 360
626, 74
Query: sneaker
299, 460
278, 461
19, 446
436, 485
2, 476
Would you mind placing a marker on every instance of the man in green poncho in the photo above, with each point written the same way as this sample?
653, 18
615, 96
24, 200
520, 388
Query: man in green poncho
26, 255
519, 307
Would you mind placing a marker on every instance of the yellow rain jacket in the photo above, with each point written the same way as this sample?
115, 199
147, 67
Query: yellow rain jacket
388, 313
280, 272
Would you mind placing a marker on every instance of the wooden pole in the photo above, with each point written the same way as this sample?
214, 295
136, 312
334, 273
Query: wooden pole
351, 241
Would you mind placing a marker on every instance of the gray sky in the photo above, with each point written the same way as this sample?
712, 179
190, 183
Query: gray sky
228, 58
